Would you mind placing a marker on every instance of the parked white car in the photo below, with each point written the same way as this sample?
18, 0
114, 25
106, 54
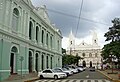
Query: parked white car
72, 69
68, 72
50, 73
80, 69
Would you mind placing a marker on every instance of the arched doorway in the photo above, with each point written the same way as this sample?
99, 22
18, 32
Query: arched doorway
84, 64
51, 62
30, 62
13, 60
47, 62
90, 63
42, 62
36, 61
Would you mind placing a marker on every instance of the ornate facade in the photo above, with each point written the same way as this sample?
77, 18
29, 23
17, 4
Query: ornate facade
91, 53
28, 37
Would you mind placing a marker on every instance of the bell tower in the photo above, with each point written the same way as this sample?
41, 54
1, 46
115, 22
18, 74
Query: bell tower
71, 41
94, 38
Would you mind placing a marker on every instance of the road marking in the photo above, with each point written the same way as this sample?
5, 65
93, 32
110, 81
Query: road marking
87, 76
75, 80
85, 80
92, 80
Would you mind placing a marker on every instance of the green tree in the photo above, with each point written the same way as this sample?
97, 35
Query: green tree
113, 35
70, 59
114, 32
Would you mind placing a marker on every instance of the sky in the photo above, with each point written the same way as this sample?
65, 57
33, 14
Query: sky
95, 15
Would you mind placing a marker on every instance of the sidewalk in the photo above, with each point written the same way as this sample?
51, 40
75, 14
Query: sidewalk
114, 77
25, 78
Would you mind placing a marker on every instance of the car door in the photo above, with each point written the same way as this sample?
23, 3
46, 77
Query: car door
50, 74
45, 73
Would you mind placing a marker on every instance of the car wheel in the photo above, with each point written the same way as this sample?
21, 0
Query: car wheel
55, 77
72, 72
41, 77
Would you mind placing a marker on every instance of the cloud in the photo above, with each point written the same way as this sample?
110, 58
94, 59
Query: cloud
96, 14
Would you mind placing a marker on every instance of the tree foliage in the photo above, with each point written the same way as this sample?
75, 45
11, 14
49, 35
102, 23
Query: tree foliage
114, 32
113, 47
70, 59
113, 35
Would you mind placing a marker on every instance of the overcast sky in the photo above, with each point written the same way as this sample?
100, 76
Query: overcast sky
95, 15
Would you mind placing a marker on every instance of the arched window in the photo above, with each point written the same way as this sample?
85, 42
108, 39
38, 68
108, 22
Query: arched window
90, 55
42, 36
37, 31
36, 62
95, 41
14, 49
51, 41
13, 58
30, 30
83, 54
70, 42
47, 65
58, 44
15, 20
47, 39
96, 55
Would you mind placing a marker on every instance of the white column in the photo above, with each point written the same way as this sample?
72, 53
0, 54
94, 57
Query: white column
33, 60
3, 14
7, 14
48, 40
45, 39
22, 23
39, 62
27, 26
33, 32
45, 61
39, 35
53, 42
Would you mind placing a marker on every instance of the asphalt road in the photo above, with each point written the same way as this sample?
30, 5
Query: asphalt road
88, 75
85, 76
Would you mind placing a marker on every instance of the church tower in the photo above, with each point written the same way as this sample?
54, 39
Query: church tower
71, 42
94, 38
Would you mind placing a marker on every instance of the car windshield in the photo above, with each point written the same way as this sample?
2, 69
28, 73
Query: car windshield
64, 69
55, 71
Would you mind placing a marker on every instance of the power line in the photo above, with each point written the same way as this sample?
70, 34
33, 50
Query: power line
73, 16
79, 17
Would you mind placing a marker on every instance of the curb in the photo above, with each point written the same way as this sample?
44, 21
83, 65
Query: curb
109, 77
31, 80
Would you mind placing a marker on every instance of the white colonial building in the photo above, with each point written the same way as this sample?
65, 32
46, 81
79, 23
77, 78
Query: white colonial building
91, 53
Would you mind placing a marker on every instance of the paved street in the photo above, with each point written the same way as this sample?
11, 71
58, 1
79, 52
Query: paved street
86, 76
74, 80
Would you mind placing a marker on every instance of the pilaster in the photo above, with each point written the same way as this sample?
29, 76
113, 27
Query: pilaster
39, 62
33, 60
45, 61
45, 45
40, 35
